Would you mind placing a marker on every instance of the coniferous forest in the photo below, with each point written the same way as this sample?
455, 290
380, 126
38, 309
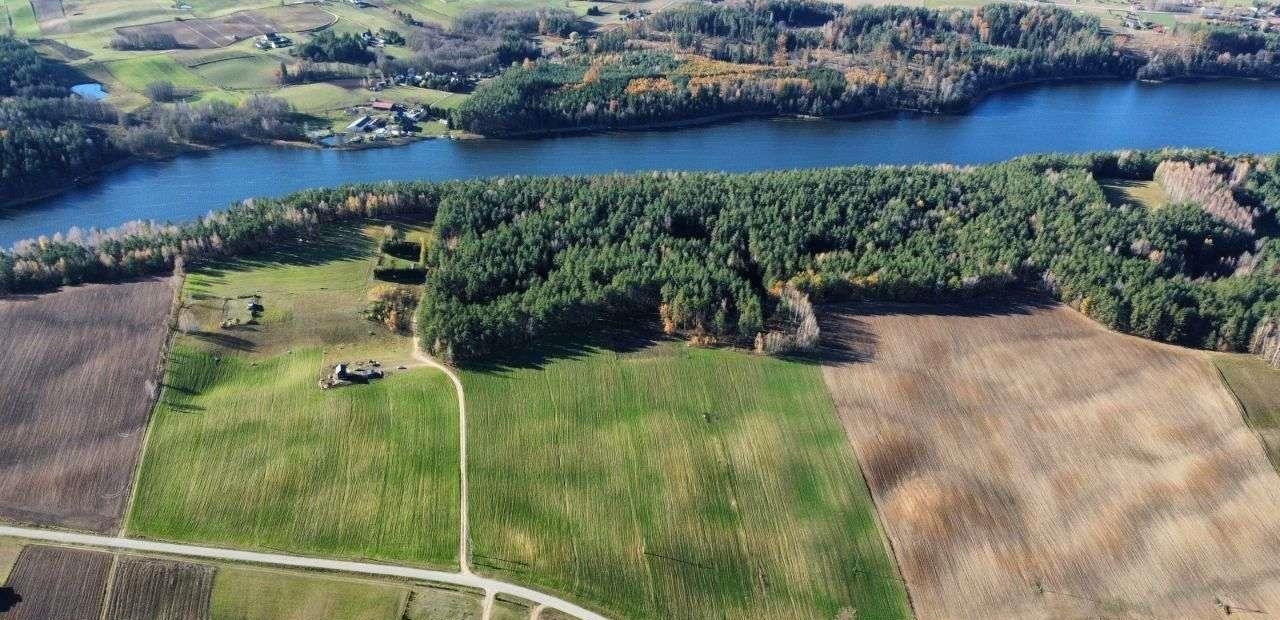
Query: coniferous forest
522, 258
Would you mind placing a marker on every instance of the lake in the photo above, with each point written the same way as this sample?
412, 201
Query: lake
1235, 116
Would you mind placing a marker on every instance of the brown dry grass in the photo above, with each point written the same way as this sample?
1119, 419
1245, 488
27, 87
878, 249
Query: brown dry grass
55, 583
151, 589
73, 399
1029, 464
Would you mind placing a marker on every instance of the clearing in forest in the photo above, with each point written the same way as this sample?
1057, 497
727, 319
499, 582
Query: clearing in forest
1029, 464
660, 481
56, 583
152, 589
245, 448
78, 368
1148, 194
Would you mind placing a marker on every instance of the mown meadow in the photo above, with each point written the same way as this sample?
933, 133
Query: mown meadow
665, 481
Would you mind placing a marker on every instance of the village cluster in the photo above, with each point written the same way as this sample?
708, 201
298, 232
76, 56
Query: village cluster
382, 119
1262, 17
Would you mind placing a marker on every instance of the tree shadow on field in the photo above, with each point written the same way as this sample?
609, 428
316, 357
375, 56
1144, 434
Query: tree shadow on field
226, 341
332, 243
9, 599
620, 335
847, 336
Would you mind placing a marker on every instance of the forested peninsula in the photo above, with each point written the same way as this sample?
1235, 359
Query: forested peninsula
726, 258
802, 57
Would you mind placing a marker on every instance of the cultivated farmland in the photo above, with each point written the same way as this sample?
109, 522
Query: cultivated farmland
1029, 464
150, 589
660, 481
78, 366
55, 583
247, 450
222, 31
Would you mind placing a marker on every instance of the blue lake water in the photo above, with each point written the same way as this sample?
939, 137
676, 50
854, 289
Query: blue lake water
1234, 116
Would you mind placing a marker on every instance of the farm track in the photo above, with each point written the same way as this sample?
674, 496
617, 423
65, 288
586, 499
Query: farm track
469, 580
464, 532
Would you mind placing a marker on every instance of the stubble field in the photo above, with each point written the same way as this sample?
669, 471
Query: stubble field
76, 367
1029, 464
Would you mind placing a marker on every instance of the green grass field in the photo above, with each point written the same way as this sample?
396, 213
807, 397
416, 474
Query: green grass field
246, 450
674, 482
249, 72
257, 594
21, 18
136, 72
1257, 386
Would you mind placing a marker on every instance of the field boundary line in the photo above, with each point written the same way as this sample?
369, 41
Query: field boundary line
876, 500
303, 562
179, 280
1244, 411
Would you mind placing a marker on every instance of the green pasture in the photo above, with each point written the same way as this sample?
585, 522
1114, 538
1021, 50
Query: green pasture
21, 18
246, 450
674, 482
136, 72
244, 72
103, 15
257, 594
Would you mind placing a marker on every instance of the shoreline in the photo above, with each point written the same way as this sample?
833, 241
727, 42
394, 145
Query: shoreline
34, 197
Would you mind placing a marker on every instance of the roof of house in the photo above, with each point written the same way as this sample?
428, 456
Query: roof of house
379, 104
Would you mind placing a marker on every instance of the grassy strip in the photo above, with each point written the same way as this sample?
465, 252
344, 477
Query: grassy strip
255, 594
669, 482
1256, 386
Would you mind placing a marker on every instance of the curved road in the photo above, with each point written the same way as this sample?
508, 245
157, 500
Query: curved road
490, 586
464, 523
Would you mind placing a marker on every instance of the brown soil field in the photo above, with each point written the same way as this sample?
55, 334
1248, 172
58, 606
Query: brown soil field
74, 399
214, 32
1027, 463
51, 15
150, 589
56, 583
